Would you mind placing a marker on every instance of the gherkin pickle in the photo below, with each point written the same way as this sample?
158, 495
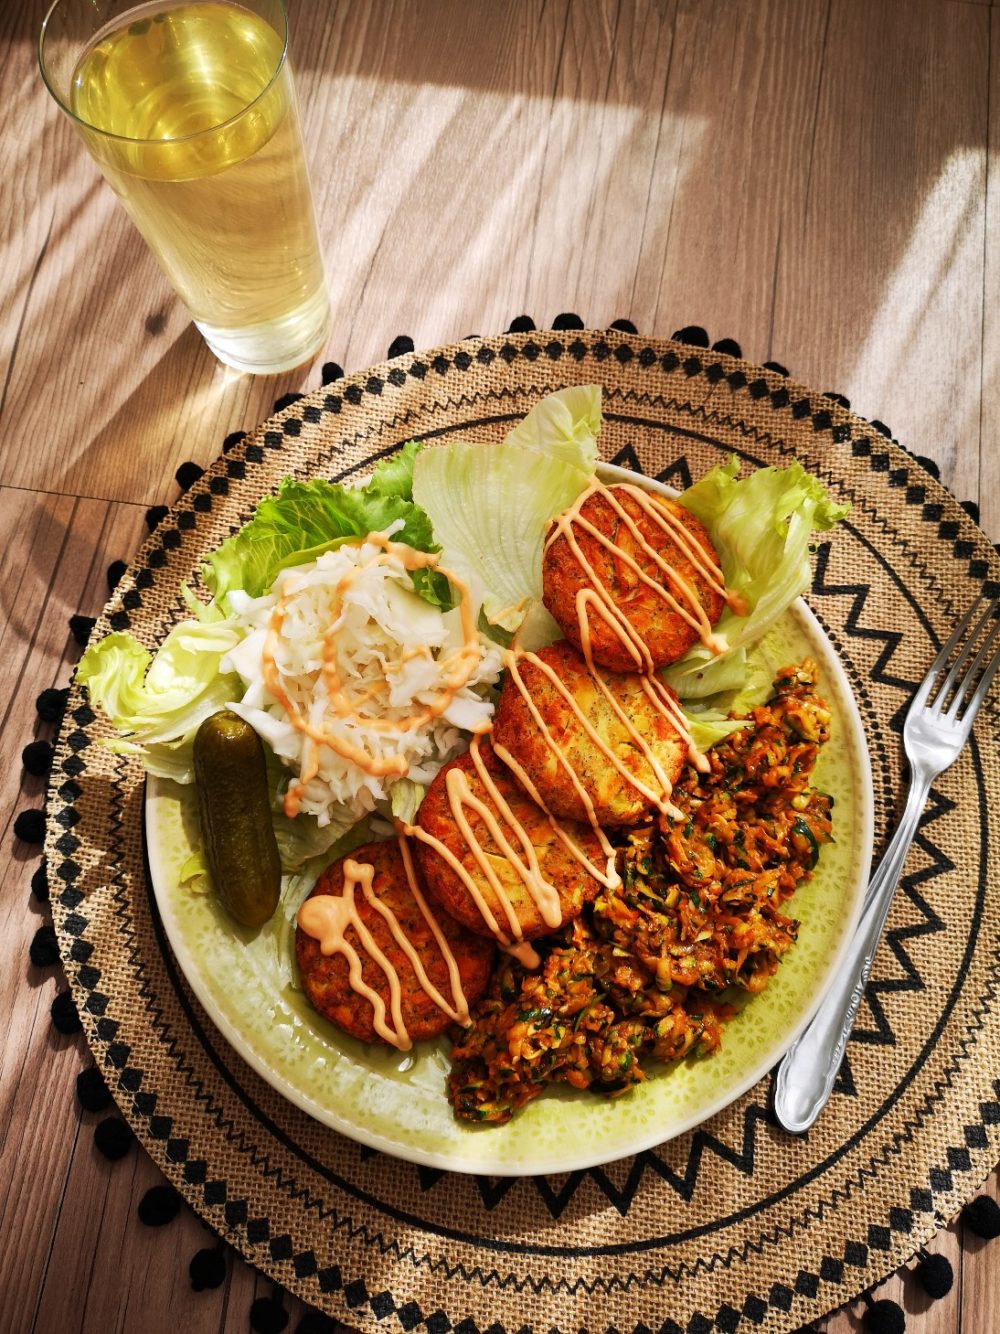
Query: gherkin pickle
235, 816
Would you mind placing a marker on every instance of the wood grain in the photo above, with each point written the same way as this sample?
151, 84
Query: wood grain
815, 178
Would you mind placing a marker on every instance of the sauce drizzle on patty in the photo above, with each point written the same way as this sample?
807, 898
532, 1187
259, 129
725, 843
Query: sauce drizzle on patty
598, 597
327, 917
543, 894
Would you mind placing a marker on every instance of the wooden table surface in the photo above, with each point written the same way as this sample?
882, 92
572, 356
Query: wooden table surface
815, 178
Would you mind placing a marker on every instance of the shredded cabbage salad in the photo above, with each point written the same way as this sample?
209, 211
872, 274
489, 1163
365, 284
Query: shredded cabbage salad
389, 644
484, 509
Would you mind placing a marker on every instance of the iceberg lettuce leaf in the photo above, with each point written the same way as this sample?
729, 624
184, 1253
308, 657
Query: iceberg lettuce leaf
162, 698
491, 504
708, 726
762, 526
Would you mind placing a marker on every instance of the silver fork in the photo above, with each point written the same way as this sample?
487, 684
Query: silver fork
937, 726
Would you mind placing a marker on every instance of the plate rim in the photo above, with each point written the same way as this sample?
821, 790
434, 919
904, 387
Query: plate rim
155, 789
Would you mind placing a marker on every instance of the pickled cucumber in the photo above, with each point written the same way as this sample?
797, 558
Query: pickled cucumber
235, 815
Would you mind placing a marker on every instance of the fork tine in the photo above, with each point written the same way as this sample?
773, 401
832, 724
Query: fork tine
941, 661
985, 680
967, 649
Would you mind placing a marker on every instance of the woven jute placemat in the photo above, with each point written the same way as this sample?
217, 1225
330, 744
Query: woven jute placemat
734, 1225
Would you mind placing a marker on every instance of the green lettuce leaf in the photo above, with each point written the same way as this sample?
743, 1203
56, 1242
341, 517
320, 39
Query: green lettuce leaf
162, 699
306, 519
564, 426
405, 797
490, 504
708, 726
761, 526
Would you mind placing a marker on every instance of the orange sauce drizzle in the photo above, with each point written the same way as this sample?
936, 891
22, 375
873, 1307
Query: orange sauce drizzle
326, 917
458, 668
524, 863
599, 597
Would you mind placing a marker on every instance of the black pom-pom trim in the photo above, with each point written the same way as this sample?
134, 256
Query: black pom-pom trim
80, 628
929, 465
521, 324
115, 571
40, 883
268, 1316
207, 1269
982, 1216
92, 1092
44, 949
316, 1322
160, 1205
971, 508
65, 1018
400, 346
693, 334
776, 366
286, 401
113, 1137
232, 440
623, 326
728, 346
51, 704
881, 428
29, 827
883, 1317
37, 757
935, 1274
567, 320
331, 372
187, 474
838, 398
155, 516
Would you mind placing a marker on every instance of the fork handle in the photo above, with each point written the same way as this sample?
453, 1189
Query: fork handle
806, 1076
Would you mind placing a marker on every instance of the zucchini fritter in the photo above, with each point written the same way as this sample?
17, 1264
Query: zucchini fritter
325, 979
556, 864
665, 632
616, 800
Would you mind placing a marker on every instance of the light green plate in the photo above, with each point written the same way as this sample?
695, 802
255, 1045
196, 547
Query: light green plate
397, 1104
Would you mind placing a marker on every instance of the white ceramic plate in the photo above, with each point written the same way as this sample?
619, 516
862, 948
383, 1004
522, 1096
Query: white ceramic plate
397, 1104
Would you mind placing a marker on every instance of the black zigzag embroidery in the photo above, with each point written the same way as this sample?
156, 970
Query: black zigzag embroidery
890, 639
882, 1034
677, 473
627, 458
683, 1182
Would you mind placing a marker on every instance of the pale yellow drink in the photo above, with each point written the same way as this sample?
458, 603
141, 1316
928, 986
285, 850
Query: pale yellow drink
189, 110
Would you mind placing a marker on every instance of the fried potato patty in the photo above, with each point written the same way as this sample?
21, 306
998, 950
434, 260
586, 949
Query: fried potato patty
616, 800
665, 632
326, 978
557, 865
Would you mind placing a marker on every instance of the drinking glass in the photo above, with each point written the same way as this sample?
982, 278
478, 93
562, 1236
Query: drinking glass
189, 111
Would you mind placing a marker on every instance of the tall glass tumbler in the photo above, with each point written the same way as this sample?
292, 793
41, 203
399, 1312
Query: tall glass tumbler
189, 110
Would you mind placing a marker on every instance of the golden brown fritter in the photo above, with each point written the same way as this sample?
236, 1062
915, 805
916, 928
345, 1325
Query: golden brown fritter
571, 881
666, 633
325, 979
616, 800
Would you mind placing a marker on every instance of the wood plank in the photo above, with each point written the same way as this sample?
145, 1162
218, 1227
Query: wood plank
879, 287
989, 439
51, 566
979, 1273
